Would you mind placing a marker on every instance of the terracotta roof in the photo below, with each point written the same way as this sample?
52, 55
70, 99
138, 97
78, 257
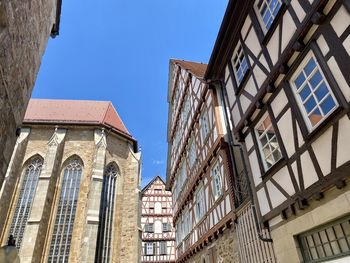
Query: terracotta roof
197, 69
74, 112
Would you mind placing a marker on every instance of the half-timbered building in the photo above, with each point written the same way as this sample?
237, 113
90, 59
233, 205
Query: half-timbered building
283, 67
71, 192
158, 233
198, 170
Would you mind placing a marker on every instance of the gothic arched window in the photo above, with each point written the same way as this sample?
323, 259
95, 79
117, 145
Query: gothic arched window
105, 227
25, 199
66, 208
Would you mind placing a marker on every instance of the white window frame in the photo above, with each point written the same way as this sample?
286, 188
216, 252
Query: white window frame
200, 203
192, 153
149, 249
266, 27
296, 92
261, 147
166, 227
217, 182
242, 68
204, 124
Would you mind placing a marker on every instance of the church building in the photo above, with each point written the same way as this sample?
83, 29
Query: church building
71, 192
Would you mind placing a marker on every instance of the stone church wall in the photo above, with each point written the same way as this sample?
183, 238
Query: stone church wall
85, 143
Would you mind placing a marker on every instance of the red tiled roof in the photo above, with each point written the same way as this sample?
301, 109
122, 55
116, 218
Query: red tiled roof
197, 69
74, 112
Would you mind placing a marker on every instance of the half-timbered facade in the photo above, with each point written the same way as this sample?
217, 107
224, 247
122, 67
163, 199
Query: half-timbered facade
284, 69
158, 233
71, 192
198, 171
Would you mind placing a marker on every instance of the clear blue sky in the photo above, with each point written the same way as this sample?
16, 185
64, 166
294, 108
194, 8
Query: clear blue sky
119, 51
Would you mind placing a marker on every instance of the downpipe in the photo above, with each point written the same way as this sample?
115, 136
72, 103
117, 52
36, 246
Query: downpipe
232, 145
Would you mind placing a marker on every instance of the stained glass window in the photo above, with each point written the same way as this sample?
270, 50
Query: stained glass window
66, 209
105, 229
25, 200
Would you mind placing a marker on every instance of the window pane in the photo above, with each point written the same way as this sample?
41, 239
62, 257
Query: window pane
321, 92
310, 66
300, 80
328, 104
315, 117
305, 92
316, 79
310, 104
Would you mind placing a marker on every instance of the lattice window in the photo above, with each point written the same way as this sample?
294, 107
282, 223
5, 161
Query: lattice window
105, 228
267, 11
25, 200
200, 206
268, 144
192, 155
65, 215
312, 92
239, 63
162, 248
204, 124
216, 181
327, 242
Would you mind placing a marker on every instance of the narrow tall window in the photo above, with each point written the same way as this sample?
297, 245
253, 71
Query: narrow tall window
25, 200
105, 228
267, 11
216, 181
200, 204
67, 205
268, 144
192, 153
162, 248
149, 248
204, 124
240, 63
312, 92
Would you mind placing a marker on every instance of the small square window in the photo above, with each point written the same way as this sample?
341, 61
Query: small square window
267, 11
312, 92
268, 144
239, 63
